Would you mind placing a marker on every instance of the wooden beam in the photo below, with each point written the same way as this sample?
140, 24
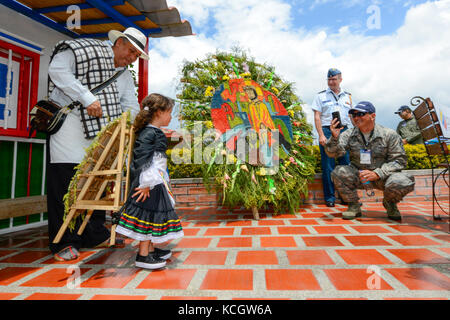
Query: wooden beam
80, 5
95, 205
90, 22
25, 206
114, 14
101, 173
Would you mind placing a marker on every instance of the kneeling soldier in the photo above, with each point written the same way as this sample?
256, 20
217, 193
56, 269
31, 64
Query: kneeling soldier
377, 157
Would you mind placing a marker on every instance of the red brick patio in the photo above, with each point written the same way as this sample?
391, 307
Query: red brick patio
224, 255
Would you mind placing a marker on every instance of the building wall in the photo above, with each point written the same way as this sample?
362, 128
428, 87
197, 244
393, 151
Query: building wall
34, 32
24, 177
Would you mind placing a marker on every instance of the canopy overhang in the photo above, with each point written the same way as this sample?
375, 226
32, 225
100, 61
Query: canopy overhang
96, 17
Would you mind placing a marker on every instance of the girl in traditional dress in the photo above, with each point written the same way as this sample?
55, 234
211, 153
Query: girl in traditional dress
148, 214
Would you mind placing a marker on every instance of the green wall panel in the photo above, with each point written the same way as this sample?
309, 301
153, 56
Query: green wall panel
22, 171
4, 223
6, 163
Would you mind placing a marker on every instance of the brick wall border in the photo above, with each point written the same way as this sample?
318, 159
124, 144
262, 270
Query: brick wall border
190, 192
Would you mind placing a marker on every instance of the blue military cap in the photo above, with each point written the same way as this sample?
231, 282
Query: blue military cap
401, 109
363, 106
333, 72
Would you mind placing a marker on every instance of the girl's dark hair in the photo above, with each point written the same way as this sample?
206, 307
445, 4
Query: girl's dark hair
153, 102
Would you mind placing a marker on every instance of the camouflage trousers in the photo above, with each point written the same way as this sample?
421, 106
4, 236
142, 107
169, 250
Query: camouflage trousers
395, 187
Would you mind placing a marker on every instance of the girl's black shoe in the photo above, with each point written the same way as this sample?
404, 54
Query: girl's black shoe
162, 254
149, 262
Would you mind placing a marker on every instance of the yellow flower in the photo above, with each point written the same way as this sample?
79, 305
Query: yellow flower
231, 159
275, 90
246, 75
261, 172
225, 78
209, 124
209, 92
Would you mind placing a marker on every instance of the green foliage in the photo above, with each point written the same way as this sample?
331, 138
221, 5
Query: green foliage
184, 170
417, 159
316, 152
135, 78
211, 72
242, 183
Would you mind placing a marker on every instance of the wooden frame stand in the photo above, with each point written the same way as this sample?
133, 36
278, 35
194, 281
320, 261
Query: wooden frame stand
103, 167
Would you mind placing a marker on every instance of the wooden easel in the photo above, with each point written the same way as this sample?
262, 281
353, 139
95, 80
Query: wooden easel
103, 165
255, 213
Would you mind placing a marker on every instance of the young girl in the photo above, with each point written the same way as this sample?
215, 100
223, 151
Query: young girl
148, 214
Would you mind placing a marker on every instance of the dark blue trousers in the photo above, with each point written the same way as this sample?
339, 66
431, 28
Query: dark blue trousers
328, 165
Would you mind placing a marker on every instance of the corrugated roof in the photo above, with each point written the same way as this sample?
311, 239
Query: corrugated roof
97, 17
167, 18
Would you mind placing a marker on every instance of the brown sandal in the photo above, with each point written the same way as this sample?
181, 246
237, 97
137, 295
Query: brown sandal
67, 254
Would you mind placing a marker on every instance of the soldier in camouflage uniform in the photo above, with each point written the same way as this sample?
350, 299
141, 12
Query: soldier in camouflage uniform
408, 129
377, 157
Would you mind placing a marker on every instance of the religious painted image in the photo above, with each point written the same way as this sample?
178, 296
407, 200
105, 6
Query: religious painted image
241, 105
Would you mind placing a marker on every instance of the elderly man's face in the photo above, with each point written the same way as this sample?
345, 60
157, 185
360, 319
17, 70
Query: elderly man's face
335, 82
124, 53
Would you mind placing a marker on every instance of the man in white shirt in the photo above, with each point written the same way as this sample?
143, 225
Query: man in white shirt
76, 67
325, 103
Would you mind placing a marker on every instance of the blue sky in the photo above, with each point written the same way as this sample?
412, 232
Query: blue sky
333, 14
388, 51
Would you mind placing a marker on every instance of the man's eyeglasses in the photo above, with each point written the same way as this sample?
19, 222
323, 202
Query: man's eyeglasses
358, 114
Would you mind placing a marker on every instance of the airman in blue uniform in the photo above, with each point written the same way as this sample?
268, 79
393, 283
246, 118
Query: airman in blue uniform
325, 103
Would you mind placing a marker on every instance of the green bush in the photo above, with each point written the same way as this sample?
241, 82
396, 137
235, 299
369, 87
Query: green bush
178, 171
417, 159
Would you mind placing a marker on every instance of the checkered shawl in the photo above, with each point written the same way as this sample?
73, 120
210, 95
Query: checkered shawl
94, 65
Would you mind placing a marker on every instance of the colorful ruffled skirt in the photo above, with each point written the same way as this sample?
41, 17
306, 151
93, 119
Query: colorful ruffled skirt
154, 219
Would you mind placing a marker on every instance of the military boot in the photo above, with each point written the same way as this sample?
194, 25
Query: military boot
353, 211
392, 210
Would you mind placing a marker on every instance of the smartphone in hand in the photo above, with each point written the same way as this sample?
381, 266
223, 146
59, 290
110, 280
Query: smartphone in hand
337, 115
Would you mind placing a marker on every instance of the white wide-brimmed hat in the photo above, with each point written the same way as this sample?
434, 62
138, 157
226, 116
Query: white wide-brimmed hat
137, 39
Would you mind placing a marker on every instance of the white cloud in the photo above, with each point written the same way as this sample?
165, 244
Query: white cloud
198, 11
386, 70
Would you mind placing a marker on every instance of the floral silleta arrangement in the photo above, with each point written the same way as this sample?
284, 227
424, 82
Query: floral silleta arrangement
251, 130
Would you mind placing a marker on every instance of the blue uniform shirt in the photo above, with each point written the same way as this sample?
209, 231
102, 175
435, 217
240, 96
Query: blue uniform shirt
327, 102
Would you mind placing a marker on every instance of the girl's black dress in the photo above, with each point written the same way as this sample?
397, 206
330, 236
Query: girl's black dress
155, 218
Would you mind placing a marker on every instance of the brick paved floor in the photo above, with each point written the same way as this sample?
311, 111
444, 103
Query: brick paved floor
313, 254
